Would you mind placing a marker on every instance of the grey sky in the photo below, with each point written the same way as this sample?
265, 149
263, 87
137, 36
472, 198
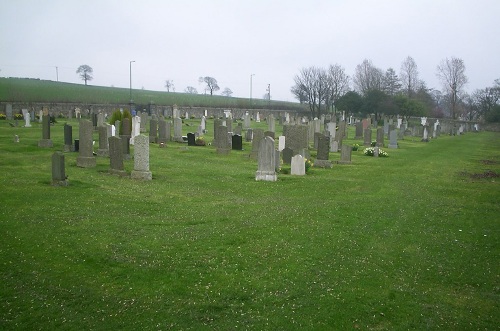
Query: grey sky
230, 40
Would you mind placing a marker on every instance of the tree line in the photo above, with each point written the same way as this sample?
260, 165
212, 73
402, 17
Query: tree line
372, 90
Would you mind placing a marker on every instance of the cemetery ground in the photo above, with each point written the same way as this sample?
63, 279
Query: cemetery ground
410, 241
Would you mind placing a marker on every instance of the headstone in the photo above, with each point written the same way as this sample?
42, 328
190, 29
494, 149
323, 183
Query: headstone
153, 131
380, 137
249, 135
58, 170
45, 142
222, 142
144, 120
258, 135
323, 152
40, 116
376, 151
178, 130
136, 128
103, 149
8, 111
298, 165
281, 143
266, 161
296, 137
100, 119
334, 147
277, 160
86, 157
126, 128
94, 121
238, 129
68, 138
118, 128
346, 152
287, 155
141, 159
269, 134
365, 123
359, 131
271, 124
16, 138
203, 123
237, 142
191, 139
393, 139
425, 137
163, 131
217, 123
27, 118
257, 117
125, 140
246, 121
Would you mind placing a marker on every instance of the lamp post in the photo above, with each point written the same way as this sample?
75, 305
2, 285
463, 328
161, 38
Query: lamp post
131, 81
251, 87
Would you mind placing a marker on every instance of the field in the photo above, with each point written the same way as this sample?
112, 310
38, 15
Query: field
34, 90
406, 242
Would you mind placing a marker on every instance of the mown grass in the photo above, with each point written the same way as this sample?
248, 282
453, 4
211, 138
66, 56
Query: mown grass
34, 90
404, 242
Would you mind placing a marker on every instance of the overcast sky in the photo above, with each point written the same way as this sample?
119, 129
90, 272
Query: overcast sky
231, 39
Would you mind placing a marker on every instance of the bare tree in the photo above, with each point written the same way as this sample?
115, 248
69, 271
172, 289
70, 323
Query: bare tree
169, 85
85, 72
409, 76
191, 90
227, 92
338, 85
311, 85
451, 72
211, 84
367, 77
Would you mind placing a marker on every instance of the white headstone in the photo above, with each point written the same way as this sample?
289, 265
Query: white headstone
298, 165
281, 143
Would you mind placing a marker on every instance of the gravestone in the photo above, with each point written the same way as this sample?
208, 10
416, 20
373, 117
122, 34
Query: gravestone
298, 165
153, 131
393, 139
103, 149
85, 157
178, 130
342, 132
144, 121
277, 160
27, 118
287, 155
266, 161
68, 138
296, 137
217, 123
249, 135
222, 142
359, 131
380, 137
258, 135
45, 142
365, 123
237, 142
376, 151
425, 136
334, 147
203, 124
118, 128
136, 128
8, 112
141, 159
16, 138
126, 128
346, 152
271, 124
281, 143
269, 134
191, 139
94, 121
323, 152
163, 131
116, 156
246, 121
257, 117
125, 140
58, 170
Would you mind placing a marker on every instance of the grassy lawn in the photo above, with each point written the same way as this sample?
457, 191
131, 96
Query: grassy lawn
405, 242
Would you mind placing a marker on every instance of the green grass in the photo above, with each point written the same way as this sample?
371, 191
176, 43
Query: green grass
404, 242
34, 90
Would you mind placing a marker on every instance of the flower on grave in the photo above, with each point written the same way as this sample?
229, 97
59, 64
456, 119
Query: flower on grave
355, 147
308, 164
200, 141
18, 116
3, 116
374, 143
370, 151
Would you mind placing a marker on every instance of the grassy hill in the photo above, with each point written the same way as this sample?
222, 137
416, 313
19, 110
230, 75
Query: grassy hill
35, 90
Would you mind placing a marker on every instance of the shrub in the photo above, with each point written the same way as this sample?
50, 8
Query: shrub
3, 116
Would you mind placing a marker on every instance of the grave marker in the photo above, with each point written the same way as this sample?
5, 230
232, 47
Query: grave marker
141, 159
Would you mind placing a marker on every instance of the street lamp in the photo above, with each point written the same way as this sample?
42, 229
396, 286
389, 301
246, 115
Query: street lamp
251, 87
131, 81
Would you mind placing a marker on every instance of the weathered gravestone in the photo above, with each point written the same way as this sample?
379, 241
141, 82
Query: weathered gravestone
153, 131
287, 155
266, 161
103, 141
191, 139
249, 135
27, 118
271, 124
144, 121
345, 154
86, 157
258, 135
116, 156
8, 111
295, 137
298, 165
164, 134
141, 159
222, 142
323, 152
281, 143
393, 139
367, 141
58, 171
380, 137
178, 130
68, 138
45, 142
359, 130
